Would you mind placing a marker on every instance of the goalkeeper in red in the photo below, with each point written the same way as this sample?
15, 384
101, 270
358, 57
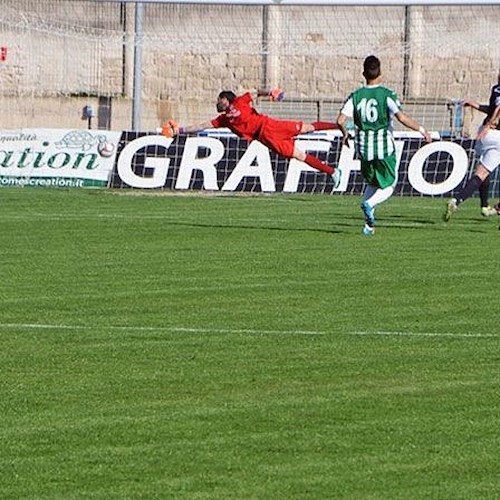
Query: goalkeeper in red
238, 114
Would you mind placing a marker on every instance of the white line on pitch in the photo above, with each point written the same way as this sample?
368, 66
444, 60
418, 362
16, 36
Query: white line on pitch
423, 334
175, 329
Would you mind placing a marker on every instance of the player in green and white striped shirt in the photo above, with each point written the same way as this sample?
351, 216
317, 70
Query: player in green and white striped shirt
373, 108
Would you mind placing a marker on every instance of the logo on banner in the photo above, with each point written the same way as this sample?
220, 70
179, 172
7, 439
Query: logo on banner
227, 163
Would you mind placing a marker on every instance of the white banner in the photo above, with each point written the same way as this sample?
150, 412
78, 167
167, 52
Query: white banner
228, 163
57, 157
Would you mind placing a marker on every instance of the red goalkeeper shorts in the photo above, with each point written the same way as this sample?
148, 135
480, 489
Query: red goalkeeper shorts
278, 135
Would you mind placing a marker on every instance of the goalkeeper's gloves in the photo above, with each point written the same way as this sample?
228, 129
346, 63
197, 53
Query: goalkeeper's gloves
276, 94
171, 129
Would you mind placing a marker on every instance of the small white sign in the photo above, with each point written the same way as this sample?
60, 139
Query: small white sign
72, 154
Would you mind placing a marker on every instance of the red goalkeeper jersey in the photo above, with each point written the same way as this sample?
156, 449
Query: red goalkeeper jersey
241, 118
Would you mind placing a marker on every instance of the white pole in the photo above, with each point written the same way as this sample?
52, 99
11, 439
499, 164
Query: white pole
137, 98
416, 44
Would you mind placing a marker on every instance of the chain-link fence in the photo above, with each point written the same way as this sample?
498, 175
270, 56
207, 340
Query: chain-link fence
62, 55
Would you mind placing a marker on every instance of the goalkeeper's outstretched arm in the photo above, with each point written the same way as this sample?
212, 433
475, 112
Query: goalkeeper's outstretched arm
191, 129
172, 128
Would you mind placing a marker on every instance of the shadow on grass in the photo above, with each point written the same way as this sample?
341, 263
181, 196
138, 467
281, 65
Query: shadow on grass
343, 225
265, 227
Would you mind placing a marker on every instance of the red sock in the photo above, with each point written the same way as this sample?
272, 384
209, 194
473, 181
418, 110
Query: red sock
324, 125
314, 162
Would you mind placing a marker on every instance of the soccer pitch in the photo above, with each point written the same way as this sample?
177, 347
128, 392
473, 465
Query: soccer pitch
210, 347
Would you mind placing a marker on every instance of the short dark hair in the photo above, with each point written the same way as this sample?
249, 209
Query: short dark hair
371, 67
227, 94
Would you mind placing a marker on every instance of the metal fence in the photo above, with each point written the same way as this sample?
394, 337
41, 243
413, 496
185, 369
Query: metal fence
60, 56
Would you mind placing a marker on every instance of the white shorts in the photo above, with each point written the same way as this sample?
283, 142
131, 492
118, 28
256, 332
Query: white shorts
488, 150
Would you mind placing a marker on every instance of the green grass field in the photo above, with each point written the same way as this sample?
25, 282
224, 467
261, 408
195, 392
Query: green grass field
246, 347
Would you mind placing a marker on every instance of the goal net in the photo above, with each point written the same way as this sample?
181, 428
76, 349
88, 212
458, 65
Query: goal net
61, 55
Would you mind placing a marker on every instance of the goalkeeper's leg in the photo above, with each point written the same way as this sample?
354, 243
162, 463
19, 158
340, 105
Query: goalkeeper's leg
313, 161
279, 135
311, 127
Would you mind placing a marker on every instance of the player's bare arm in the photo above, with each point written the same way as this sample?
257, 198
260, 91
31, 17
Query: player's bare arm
475, 105
341, 122
491, 123
412, 124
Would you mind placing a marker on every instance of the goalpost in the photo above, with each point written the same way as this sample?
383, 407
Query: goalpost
64, 54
